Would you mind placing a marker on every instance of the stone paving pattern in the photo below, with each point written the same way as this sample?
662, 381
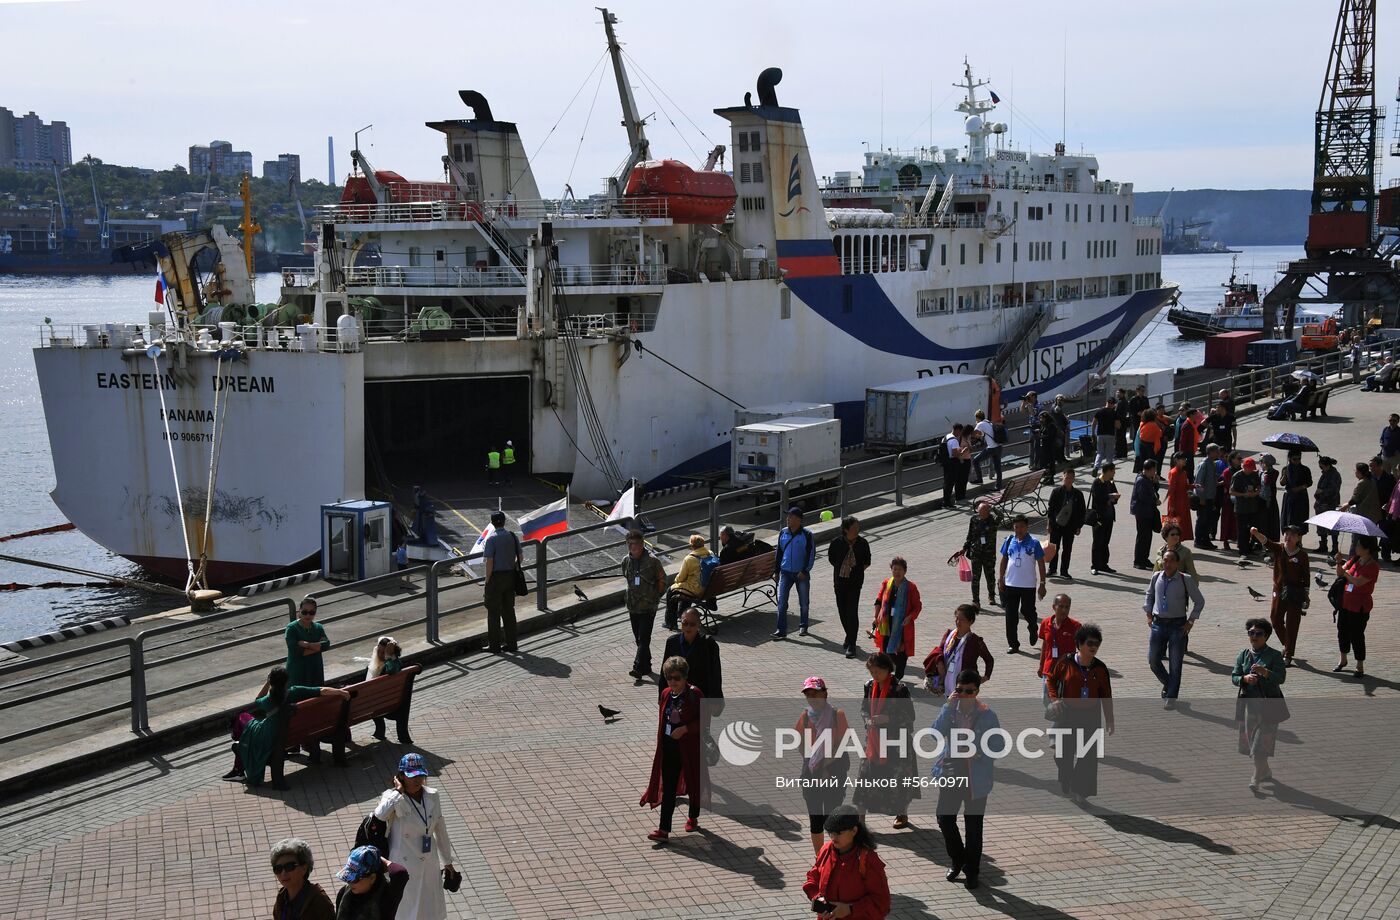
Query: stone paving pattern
543, 797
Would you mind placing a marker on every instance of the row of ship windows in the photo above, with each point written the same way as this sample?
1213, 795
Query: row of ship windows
938, 301
1149, 247
1070, 212
889, 252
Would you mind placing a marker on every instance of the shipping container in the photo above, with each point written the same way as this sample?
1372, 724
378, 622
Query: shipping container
1334, 230
1160, 383
1273, 352
784, 449
914, 412
1229, 349
783, 410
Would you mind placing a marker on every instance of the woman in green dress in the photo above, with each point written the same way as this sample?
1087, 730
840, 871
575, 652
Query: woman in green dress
1259, 669
306, 641
257, 741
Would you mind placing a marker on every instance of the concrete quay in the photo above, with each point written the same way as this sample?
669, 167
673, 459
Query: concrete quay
543, 797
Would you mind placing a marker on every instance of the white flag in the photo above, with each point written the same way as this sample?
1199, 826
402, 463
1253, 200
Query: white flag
625, 507
479, 547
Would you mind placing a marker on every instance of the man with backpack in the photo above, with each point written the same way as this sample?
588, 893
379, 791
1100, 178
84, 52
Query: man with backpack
796, 554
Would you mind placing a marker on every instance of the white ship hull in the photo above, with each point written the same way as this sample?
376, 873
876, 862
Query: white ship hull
292, 436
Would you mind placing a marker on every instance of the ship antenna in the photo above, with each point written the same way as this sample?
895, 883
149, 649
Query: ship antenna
1064, 82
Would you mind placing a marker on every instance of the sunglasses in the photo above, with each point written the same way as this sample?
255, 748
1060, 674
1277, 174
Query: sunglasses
280, 868
1255, 632
967, 691
306, 613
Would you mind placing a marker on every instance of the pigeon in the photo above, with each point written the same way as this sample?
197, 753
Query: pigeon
578, 593
1254, 594
608, 714
1321, 582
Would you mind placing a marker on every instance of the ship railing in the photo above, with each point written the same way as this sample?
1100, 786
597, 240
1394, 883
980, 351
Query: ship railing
131, 678
459, 276
429, 211
457, 327
208, 338
601, 325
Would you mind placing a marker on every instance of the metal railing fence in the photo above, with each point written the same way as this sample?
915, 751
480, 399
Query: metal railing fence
895, 478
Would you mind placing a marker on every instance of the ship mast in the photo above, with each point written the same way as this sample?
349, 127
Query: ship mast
631, 120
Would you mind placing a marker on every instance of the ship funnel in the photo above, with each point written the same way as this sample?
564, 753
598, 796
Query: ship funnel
481, 109
766, 81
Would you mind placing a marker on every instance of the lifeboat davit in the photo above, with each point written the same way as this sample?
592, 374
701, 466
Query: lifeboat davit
690, 196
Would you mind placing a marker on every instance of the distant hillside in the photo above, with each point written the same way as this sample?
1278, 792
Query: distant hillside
1263, 217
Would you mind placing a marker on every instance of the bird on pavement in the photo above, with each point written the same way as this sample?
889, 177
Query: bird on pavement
1321, 582
609, 715
1254, 594
578, 593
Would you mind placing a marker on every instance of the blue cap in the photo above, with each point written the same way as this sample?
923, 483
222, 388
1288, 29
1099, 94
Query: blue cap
412, 765
363, 861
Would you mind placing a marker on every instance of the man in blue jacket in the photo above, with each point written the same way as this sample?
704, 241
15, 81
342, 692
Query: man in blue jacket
969, 778
796, 554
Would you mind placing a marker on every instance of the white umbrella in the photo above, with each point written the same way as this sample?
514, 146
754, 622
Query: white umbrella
1307, 375
1345, 522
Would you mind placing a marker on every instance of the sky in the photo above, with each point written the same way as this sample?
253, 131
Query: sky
1185, 94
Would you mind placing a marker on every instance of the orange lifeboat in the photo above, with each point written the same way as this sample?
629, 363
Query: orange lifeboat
689, 196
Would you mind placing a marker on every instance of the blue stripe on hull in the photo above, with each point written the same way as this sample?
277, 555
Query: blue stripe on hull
887, 330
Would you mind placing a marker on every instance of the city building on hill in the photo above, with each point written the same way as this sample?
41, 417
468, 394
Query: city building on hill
221, 159
29, 145
284, 170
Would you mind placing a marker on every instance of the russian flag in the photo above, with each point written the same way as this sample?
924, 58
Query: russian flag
551, 519
161, 287
995, 97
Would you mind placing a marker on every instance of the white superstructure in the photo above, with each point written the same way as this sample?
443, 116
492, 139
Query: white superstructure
611, 338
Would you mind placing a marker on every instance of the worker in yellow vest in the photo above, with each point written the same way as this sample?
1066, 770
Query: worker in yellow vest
493, 466
508, 459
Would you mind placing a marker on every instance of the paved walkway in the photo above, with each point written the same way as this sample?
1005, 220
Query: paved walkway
543, 797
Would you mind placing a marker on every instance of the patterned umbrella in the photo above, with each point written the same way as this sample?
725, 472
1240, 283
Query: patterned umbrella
1346, 523
1287, 441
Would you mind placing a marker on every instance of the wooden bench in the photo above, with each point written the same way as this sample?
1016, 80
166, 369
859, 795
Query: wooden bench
318, 719
1022, 490
753, 575
386, 696
328, 718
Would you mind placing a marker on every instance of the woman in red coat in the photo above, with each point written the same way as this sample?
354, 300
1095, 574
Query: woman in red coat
897, 606
1179, 494
848, 879
679, 765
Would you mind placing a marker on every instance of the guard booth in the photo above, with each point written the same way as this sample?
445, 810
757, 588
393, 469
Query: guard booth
355, 540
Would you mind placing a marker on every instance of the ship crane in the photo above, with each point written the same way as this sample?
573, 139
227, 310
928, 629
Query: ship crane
631, 119
362, 164
1348, 263
715, 158
103, 236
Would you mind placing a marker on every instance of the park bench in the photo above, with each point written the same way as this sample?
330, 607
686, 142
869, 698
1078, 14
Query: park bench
1023, 490
1316, 403
753, 575
328, 718
386, 696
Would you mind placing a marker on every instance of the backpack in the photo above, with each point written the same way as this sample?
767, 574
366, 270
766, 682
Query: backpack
373, 832
707, 569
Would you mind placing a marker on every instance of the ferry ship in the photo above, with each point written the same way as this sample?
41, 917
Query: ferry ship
611, 339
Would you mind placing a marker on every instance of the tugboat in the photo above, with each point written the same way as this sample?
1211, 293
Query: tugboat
1240, 311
